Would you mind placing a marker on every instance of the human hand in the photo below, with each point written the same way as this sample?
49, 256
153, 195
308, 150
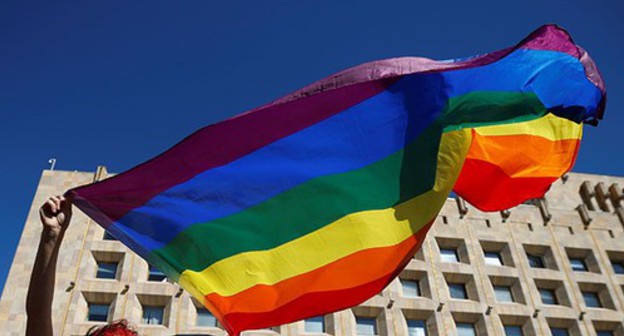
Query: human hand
55, 214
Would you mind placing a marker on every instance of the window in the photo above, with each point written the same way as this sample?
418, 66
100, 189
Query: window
410, 288
458, 291
466, 329
98, 313
548, 296
559, 331
106, 270
582, 260
108, 236
449, 255
512, 330
503, 294
592, 300
205, 318
618, 267
578, 265
493, 258
315, 324
366, 326
604, 333
535, 261
152, 315
416, 328
155, 274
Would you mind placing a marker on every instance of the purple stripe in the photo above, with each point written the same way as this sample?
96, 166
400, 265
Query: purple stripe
553, 38
229, 140
216, 145
594, 76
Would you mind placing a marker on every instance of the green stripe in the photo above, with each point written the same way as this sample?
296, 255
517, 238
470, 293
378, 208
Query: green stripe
477, 109
312, 205
308, 207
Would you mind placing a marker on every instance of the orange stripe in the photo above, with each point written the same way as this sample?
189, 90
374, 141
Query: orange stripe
314, 303
524, 155
351, 271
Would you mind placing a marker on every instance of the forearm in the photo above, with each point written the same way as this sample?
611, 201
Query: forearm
41, 288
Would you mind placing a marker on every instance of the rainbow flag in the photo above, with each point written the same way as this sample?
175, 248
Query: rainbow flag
315, 202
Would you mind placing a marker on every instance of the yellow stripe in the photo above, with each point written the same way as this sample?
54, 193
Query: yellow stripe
549, 126
352, 233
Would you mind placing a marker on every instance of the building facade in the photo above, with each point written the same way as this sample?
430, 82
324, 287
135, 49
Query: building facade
548, 267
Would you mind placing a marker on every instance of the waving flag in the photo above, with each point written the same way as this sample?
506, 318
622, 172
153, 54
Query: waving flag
315, 202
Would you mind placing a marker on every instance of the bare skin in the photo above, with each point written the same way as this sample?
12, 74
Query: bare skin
55, 215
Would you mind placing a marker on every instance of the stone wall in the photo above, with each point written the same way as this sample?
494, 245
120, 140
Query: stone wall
561, 231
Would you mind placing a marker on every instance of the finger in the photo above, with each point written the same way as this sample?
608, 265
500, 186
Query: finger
57, 203
49, 205
66, 206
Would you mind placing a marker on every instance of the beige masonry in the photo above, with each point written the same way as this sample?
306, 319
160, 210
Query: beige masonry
581, 224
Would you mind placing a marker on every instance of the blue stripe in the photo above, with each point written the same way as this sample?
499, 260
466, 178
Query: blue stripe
558, 79
356, 137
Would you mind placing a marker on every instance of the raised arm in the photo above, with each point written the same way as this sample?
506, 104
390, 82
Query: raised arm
55, 215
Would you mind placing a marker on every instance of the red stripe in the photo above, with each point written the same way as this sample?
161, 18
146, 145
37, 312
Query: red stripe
488, 188
315, 303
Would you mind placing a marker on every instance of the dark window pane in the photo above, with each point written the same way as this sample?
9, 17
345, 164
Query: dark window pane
315, 325
410, 288
466, 329
416, 328
503, 294
98, 313
578, 265
155, 274
458, 291
449, 255
604, 333
559, 332
592, 300
205, 318
513, 331
106, 270
535, 261
366, 326
618, 267
493, 258
152, 315
548, 296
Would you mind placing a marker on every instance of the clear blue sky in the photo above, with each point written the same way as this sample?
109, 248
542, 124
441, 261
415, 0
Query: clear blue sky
116, 82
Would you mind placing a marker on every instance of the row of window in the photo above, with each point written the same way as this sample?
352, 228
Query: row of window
537, 257
594, 296
151, 315
109, 270
367, 326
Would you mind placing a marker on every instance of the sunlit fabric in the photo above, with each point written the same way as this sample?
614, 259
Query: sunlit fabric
315, 202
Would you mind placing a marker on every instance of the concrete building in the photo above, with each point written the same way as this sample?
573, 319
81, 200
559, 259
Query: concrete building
542, 268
